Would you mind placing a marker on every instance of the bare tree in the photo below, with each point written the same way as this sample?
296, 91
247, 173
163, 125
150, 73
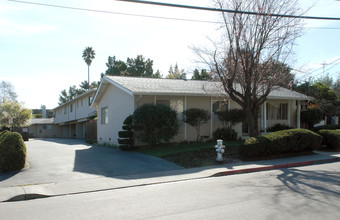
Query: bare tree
7, 92
246, 60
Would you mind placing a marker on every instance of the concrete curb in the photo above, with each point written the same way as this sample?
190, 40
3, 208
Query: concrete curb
279, 166
27, 192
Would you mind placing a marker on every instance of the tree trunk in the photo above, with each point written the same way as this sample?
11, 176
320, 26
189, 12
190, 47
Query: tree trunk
198, 131
252, 122
88, 76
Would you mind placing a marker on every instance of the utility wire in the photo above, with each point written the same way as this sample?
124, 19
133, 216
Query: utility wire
135, 15
337, 61
228, 10
110, 12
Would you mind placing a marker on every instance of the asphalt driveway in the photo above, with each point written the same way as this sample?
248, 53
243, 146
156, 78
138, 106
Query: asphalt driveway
55, 160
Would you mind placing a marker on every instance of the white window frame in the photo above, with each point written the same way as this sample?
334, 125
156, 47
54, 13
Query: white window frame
104, 115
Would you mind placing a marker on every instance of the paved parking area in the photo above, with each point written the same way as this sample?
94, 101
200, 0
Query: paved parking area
55, 160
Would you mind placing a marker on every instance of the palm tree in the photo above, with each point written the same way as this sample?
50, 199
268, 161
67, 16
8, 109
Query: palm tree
88, 56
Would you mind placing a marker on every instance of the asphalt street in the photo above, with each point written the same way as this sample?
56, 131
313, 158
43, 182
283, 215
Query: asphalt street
54, 160
310, 192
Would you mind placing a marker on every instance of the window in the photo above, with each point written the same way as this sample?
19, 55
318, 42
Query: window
71, 108
104, 115
219, 106
175, 104
90, 100
163, 102
283, 111
277, 111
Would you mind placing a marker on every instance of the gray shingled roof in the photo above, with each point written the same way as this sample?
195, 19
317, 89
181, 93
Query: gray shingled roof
152, 86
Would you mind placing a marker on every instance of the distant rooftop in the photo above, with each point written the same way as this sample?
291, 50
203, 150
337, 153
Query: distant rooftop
77, 97
42, 121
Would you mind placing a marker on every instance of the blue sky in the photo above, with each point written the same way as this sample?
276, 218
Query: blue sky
41, 47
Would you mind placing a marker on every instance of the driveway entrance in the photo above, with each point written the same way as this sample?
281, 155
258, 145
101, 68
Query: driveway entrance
55, 160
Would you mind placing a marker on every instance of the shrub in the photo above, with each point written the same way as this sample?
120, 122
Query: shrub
278, 127
154, 123
231, 117
331, 138
12, 152
311, 116
126, 136
91, 141
3, 135
196, 117
226, 134
280, 142
327, 127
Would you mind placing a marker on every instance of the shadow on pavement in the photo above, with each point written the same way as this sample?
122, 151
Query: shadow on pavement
111, 162
7, 175
308, 183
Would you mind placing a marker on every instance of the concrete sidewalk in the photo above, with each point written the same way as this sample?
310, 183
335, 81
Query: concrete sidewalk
26, 192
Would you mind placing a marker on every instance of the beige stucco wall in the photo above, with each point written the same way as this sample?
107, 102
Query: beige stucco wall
45, 131
120, 105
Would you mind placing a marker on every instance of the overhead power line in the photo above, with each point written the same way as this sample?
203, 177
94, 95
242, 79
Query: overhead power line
309, 74
136, 15
228, 10
110, 12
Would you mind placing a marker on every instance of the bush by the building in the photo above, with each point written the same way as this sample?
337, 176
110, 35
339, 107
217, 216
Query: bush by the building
331, 138
196, 117
280, 142
327, 127
12, 152
278, 127
154, 124
126, 138
311, 116
226, 134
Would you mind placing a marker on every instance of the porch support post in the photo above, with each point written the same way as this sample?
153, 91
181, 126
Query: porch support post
70, 130
265, 116
185, 124
211, 117
288, 113
298, 114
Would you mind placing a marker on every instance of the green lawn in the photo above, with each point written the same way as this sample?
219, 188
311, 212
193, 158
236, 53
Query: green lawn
170, 149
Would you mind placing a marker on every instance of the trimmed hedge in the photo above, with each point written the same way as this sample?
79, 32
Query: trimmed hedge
278, 127
126, 137
3, 135
12, 152
154, 124
280, 142
331, 138
323, 127
226, 134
